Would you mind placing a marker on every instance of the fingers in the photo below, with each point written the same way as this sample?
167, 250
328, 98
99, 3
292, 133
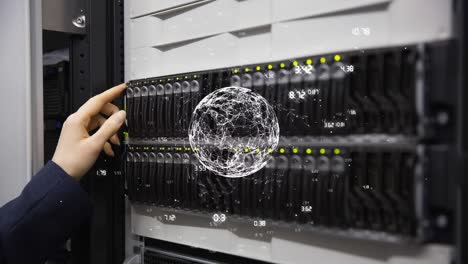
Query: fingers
108, 149
115, 140
94, 105
96, 122
108, 129
109, 109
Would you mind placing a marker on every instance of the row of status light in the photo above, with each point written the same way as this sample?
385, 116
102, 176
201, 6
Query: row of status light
295, 63
294, 150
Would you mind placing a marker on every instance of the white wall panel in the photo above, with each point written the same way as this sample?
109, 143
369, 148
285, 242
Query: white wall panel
144, 7
200, 20
224, 50
295, 9
323, 35
144, 62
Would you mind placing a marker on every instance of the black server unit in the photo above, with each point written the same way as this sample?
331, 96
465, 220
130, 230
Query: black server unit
362, 148
57, 106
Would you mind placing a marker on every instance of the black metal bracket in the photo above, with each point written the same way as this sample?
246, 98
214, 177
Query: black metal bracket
97, 64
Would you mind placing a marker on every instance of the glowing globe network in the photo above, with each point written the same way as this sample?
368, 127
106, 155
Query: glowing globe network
233, 132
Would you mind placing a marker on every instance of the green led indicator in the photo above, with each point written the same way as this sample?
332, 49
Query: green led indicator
295, 150
295, 63
282, 150
270, 66
309, 151
281, 65
337, 151
258, 68
322, 151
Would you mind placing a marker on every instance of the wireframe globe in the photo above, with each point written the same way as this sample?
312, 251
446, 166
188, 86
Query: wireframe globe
233, 132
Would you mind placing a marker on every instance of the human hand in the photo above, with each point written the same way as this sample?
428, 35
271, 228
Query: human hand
76, 150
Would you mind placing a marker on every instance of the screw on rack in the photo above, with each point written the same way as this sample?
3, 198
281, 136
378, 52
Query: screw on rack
79, 22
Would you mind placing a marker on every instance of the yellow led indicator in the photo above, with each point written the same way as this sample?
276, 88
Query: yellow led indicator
270, 66
177, 78
323, 60
125, 135
168, 79
281, 65
295, 150
295, 63
246, 150
309, 151
236, 70
337, 57
160, 80
257, 150
186, 77
282, 150
246, 69
195, 76
196, 149
308, 61
337, 151
146, 148
270, 150
322, 151
258, 68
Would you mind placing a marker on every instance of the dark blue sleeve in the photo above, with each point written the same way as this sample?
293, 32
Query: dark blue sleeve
35, 224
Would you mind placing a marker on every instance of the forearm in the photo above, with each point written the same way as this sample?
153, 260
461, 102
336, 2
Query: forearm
36, 223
